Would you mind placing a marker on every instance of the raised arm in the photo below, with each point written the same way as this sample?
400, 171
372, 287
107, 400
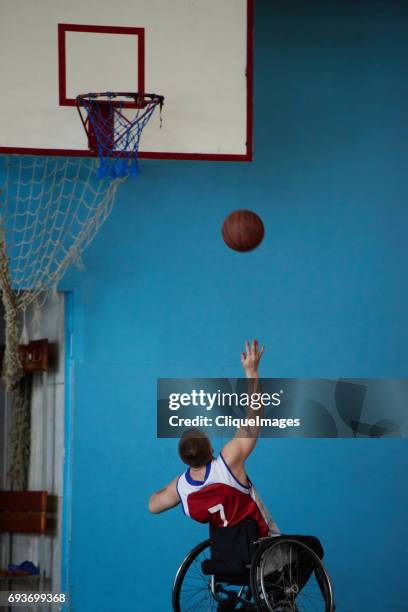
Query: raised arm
237, 450
165, 498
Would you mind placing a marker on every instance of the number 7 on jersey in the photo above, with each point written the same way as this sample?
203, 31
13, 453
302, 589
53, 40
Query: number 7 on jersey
219, 508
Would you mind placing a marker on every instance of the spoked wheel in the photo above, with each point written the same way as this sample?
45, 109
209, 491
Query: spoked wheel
192, 589
288, 575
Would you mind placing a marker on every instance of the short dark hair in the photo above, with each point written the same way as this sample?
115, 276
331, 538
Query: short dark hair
195, 448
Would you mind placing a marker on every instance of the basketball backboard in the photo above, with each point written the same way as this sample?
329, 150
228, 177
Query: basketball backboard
196, 53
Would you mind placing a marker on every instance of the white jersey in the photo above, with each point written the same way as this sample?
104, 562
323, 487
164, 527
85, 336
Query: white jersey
220, 499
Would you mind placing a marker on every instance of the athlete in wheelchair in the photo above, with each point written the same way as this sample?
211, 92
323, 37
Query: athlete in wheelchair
246, 564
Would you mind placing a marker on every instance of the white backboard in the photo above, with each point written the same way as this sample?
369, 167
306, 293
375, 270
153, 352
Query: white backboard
196, 53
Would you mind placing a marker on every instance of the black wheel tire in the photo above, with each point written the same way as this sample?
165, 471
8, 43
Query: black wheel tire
178, 581
269, 544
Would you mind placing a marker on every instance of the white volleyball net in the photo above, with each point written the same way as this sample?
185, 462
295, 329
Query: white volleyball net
51, 208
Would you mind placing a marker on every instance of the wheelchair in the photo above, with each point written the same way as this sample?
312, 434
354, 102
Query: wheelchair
236, 570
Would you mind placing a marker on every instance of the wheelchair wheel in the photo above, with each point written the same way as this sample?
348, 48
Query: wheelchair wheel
191, 588
288, 575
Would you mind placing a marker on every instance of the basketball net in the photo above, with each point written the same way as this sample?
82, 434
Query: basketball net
114, 129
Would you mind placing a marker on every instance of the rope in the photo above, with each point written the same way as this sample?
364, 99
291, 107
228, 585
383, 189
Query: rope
14, 380
19, 437
12, 368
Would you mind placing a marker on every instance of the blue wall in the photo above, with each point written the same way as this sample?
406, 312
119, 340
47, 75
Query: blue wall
162, 296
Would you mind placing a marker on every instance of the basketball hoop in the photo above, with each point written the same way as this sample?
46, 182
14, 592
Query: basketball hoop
114, 123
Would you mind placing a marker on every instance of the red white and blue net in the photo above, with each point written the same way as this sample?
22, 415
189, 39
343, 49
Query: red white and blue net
114, 123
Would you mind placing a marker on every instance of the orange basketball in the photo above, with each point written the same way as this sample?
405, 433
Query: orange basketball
242, 230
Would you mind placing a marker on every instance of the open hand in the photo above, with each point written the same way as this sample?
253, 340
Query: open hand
251, 357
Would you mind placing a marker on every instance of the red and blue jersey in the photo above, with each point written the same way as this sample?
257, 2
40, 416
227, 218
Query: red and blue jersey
220, 499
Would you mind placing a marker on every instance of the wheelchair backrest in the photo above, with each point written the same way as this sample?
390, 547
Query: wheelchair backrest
234, 543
